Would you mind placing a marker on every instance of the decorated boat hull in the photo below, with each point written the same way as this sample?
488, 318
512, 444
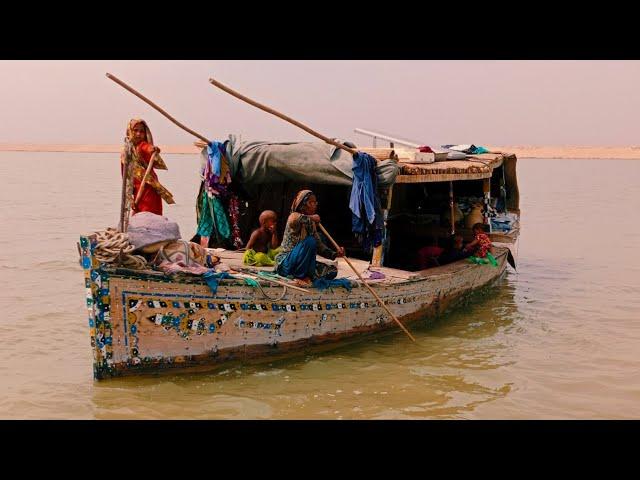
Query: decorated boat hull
148, 323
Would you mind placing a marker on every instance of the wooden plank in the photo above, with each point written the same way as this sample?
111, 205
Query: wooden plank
380, 153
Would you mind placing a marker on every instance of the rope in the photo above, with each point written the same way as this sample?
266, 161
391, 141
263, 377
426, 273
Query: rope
256, 284
114, 247
284, 292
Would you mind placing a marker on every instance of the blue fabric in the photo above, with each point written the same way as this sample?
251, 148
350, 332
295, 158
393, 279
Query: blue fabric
323, 283
501, 226
300, 262
477, 150
366, 217
213, 152
212, 279
364, 183
470, 150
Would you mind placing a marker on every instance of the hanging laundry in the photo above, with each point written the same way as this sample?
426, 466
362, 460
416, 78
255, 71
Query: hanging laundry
218, 199
366, 220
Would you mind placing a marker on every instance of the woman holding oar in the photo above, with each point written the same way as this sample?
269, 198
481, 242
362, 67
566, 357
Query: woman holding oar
301, 243
141, 157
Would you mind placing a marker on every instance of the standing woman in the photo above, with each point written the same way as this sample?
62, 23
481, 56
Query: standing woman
138, 150
301, 243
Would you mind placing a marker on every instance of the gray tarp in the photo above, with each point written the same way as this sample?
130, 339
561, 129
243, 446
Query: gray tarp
302, 162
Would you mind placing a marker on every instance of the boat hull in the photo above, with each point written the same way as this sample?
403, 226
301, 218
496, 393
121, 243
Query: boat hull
151, 323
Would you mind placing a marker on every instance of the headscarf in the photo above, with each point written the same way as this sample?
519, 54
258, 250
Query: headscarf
158, 163
133, 123
301, 200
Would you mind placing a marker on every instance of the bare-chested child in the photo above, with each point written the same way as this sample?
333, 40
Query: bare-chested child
263, 244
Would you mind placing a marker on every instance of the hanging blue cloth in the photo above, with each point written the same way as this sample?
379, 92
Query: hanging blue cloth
323, 283
366, 214
215, 157
363, 191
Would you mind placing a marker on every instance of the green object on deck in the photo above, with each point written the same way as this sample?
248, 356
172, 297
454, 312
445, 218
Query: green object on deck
259, 259
489, 259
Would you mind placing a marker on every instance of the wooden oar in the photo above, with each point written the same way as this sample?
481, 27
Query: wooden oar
366, 284
124, 215
144, 179
221, 86
149, 102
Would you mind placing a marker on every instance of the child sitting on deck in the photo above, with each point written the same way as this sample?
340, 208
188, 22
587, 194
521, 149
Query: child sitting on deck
263, 245
481, 247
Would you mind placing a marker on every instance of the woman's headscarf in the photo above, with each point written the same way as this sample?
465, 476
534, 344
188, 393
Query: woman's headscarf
158, 163
301, 200
132, 124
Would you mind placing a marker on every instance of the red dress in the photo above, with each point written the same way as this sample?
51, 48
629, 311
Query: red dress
150, 200
484, 244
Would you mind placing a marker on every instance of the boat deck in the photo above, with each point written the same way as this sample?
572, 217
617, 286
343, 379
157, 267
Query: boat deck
233, 260
392, 275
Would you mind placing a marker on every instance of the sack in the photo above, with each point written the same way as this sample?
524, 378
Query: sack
186, 254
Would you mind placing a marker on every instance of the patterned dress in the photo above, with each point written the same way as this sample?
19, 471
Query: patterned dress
484, 245
138, 157
300, 244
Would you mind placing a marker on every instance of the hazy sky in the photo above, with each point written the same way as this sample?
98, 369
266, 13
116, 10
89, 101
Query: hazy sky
435, 102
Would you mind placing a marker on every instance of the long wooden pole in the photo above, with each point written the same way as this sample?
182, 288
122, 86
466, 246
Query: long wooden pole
366, 284
221, 86
145, 99
144, 179
123, 200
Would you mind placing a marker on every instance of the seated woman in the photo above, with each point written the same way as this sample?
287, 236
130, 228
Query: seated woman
301, 243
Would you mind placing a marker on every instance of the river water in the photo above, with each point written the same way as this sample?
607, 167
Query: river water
558, 339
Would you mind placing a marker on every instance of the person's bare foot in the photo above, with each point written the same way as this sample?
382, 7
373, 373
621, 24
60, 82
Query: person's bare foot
302, 282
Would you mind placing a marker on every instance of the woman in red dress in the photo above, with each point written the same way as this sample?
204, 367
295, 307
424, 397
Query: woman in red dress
139, 148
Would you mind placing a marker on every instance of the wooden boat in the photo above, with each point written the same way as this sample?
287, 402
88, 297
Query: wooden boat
146, 321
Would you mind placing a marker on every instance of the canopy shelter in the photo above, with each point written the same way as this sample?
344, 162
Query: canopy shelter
269, 174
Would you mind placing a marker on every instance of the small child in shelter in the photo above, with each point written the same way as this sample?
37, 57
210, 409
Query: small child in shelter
263, 244
481, 247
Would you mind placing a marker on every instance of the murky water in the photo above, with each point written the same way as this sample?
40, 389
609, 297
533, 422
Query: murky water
559, 339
